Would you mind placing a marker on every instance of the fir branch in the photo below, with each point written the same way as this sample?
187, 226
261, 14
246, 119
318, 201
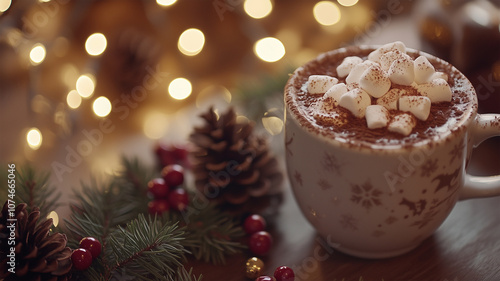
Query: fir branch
146, 249
33, 189
211, 234
184, 275
100, 209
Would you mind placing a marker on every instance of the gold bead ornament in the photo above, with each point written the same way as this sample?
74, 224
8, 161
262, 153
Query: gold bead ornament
254, 267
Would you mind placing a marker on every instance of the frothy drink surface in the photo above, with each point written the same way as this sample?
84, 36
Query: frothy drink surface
320, 114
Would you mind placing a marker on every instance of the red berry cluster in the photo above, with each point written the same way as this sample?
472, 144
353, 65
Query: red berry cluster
260, 243
171, 154
90, 248
167, 191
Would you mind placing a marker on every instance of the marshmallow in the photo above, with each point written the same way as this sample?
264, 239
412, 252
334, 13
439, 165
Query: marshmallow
356, 102
437, 90
419, 106
319, 84
439, 74
357, 71
375, 82
402, 71
347, 64
395, 46
326, 104
390, 99
388, 58
336, 91
377, 116
402, 124
423, 70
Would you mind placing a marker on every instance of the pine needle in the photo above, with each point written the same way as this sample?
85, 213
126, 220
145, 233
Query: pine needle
211, 234
146, 249
32, 188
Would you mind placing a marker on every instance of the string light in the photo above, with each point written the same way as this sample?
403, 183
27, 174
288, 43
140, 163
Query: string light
165, 3
73, 99
258, 9
34, 138
347, 3
85, 85
326, 13
4, 5
102, 106
37, 54
180, 88
191, 42
96, 44
269, 49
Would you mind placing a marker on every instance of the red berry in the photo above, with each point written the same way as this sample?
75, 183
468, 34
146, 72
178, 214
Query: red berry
171, 154
158, 188
284, 273
265, 278
254, 223
81, 258
158, 206
173, 175
260, 243
91, 244
178, 199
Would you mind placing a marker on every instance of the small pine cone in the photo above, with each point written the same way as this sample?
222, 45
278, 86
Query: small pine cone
38, 254
230, 164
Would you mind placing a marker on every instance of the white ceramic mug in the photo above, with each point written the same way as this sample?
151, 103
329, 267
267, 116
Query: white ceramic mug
384, 201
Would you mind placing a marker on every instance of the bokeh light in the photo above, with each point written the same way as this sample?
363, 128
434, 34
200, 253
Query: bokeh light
4, 5
191, 42
326, 13
102, 106
73, 99
165, 3
96, 44
55, 218
154, 125
269, 49
258, 9
37, 54
34, 138
180, 88
347, 3
85, 85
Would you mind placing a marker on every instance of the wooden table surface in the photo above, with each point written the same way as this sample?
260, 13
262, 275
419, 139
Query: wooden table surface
465, 248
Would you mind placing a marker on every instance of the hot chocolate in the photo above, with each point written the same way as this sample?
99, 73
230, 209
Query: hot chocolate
384, 96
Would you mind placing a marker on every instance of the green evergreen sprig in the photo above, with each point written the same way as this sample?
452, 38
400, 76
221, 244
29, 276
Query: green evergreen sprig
33, 188
146, 249
211, 234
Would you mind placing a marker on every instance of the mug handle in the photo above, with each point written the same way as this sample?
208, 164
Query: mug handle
485, 126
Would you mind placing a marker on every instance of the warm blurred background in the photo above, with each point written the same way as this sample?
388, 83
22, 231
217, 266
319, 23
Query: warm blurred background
83, 82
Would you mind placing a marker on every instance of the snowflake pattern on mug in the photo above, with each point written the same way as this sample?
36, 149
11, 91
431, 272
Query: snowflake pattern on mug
457, 152
298, 177
366, 195
324, 184
447, 180
347, 221
331, 163
288, 143
429, 167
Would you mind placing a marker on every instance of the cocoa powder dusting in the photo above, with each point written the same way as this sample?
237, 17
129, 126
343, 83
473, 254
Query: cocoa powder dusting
354, 130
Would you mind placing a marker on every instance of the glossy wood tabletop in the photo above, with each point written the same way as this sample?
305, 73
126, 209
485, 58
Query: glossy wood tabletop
465, 248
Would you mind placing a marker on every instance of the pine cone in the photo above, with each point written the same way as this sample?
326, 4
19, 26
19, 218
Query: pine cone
38, 254
230, 164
